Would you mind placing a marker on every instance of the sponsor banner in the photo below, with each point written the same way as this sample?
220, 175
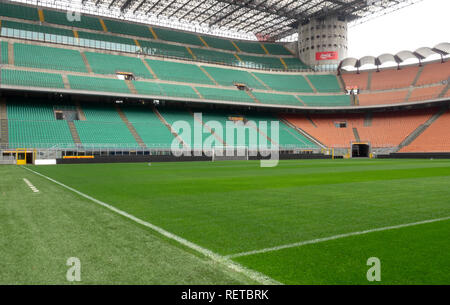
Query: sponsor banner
326, 55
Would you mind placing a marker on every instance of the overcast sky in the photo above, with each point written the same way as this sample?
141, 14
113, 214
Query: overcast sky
424, 24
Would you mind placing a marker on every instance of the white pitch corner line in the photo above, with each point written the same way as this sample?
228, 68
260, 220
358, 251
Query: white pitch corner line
254, 275
31, 186
320, 240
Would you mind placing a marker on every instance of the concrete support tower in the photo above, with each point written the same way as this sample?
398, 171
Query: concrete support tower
322, 43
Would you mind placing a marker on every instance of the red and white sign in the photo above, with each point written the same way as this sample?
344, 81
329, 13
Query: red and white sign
327, 55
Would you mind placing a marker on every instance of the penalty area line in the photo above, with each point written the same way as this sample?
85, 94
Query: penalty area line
320, 240
254, 275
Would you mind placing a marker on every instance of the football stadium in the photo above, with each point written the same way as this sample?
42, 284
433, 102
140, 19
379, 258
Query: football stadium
219, 142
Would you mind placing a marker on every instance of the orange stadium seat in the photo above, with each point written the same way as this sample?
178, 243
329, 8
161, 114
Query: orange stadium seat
356, 80
385, 130
426, 93
434, 73
435, 138
393, 78
382, 98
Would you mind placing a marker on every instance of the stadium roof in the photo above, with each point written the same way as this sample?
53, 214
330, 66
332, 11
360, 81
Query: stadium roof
263, 19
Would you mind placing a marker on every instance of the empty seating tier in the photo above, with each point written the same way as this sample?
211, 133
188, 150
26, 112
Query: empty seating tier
293, 63
285, 82
218, 43
4, 53
325, 100
229, 77
261, 62
250, 47
435, 138
37, 32
160, 89
105, 134
18, 11
353, 80
164, 49
39, 134
107, 42
35, 56
434, 73
277, 99
393, 78
180, 37
111, 64
426, 93
276, 49
216, 56
97, 84
382, 98
33, 124
131, 29
31, 79
62, 18
232, 95
175, 71
325, 83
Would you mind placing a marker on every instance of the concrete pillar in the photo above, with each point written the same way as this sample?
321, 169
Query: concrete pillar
322, 43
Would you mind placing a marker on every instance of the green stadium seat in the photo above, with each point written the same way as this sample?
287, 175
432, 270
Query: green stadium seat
104, 128
33, 125
176, 36
227, 77
35, 56
101, 113
250, 47
325, 83
4, 53
276, 49
219, 43
18, 11
326, 100
107, 42
277, 99
293, 63
37, 32
60, 18
128, 28
231, 95
160, 89
175, 71
97, 84
105, 134
164, 49
111, 64
39, 134
209, 55
31, 79
261, 62
285, 82
151, 130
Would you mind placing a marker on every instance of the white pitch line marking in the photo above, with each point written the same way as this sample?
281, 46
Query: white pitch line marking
319, 240
256, 276
31, 186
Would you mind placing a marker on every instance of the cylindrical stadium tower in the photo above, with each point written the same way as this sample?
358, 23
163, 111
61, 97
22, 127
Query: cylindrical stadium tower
322, 43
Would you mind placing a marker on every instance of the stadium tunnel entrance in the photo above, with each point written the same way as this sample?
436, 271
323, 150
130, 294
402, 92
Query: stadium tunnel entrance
360, 150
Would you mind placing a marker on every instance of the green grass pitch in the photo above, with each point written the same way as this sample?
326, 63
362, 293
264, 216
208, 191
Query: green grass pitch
229, 208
